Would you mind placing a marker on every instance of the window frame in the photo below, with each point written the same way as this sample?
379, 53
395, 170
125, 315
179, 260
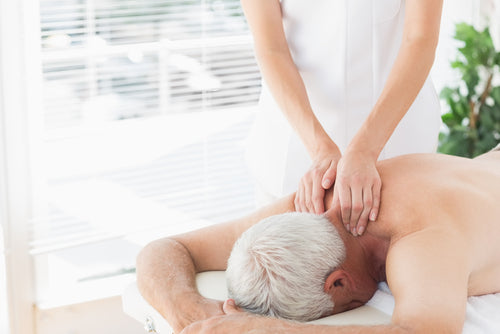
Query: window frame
20, 100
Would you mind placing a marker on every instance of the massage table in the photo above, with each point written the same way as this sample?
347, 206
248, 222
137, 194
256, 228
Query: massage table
483, 313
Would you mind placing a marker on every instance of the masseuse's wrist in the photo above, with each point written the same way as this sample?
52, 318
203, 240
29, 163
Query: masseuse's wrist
364, 154
360, 147
325, 147
314, 137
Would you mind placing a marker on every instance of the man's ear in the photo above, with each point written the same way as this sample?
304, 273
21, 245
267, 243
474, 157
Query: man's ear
339, 280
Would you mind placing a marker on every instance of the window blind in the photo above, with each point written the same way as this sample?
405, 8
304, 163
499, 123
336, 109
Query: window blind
117, 59
147, 105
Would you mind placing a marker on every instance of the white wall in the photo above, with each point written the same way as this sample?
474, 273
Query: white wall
454, 11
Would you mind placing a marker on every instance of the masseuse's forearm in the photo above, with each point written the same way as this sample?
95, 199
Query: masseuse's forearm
288, 89
279, 71
406, 79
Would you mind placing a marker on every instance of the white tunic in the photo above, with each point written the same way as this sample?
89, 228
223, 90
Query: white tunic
344, 50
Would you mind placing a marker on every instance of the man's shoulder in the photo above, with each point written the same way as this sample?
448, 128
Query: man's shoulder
427, 273
430, 245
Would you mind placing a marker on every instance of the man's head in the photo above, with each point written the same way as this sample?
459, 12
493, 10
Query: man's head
283, 267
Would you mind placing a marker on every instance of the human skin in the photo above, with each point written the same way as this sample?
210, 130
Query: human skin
357, 181
437, 231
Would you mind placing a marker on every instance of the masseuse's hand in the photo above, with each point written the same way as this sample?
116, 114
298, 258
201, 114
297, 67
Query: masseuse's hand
356, 195
320, 177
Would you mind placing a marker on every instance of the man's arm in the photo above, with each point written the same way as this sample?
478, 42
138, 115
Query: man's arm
166, 268
245, 323
428, 274
237, 321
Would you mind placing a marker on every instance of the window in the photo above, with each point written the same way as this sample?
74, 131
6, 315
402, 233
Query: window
146, 108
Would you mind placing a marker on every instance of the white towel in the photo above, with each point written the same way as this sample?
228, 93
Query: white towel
482, 316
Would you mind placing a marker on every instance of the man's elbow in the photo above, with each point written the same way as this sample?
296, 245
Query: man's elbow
148, 257
144, 259
144, 255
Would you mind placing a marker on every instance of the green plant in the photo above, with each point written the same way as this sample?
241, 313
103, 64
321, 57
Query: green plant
473, 116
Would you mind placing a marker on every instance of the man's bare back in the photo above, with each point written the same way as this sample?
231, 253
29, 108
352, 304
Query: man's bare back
437, 230
458, 196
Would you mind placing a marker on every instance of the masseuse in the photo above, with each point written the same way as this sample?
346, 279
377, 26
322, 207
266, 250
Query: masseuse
346, 82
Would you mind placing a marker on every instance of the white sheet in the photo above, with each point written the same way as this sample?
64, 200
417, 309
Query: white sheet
483, 313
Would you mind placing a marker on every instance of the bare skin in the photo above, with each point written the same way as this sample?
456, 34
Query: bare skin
435, 242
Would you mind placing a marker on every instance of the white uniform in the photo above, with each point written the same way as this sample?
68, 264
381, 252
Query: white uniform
344, 50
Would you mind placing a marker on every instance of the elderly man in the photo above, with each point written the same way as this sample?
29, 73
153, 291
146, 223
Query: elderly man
435, 242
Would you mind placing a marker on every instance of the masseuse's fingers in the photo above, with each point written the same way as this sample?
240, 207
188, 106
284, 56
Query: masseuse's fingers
356, 207
320, 176
367, 206
376, 189
344, 195
309, 207
310, 194
329, 176
333, 214
318, 194
300, 202
231, 308
298, 195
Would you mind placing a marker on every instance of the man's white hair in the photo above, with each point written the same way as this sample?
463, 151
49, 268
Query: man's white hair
279, 266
